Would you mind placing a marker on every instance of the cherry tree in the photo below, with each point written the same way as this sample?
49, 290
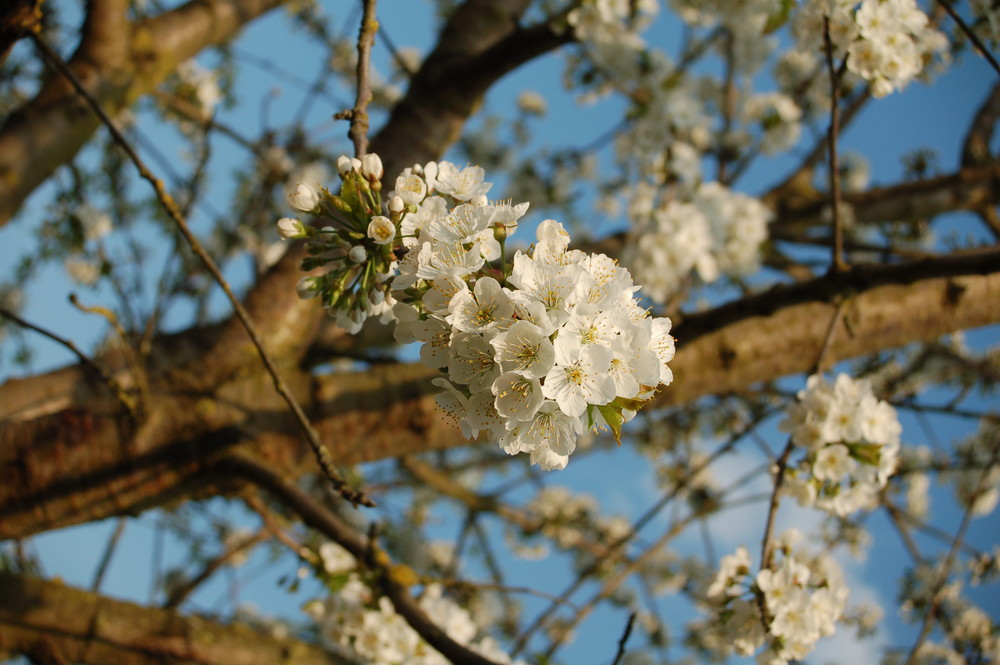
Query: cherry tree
393, 336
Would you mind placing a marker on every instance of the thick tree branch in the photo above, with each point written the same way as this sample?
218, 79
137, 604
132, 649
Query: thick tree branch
18, 19
50, 129
106, 34
78, 626
481, 42
969, 189
65, 461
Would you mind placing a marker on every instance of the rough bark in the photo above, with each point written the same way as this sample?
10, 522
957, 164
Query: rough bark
56, 623
51, 128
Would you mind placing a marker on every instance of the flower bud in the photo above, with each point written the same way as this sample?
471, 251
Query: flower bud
344, 165
358, 254
381, 230
500, 233
371, 167
430, 175
306, 288
396, 204
479, 200
290, 228
304, 198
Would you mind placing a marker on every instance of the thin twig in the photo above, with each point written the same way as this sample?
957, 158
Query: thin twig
394, 52
365, 550
782, 463
897, 519
105, 377
277, 531
358, 133
181, 592
772, 510
956, 545
462, 585
624, 638
839, 264
616, 546
102, 567
323, 456
838, 312
973, 37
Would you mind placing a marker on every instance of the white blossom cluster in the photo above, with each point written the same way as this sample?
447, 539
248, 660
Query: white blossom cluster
802, 597
535, 352
717, 232
355, 619
887, 42
971, 635
851, 440
610, 29
560, 346
568, 517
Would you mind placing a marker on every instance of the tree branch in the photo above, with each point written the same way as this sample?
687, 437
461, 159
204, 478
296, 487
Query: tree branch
64, 462
76, 625
364, 550
968, 189
50, 129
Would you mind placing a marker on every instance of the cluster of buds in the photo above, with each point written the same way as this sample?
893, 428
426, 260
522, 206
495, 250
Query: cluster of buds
351, 257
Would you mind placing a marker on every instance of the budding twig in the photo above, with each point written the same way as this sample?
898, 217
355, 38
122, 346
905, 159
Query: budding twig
358, 133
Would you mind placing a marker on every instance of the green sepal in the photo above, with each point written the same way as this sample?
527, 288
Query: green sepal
632, 403
352, 196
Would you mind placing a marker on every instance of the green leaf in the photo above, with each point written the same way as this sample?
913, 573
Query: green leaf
613, 417
631, 403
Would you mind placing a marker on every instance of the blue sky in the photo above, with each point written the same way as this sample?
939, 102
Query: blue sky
934, 116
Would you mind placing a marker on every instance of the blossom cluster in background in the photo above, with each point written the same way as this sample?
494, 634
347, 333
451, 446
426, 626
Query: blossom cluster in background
717, 232
354, 618
887, 42
786, 607
851, 440
534, 350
